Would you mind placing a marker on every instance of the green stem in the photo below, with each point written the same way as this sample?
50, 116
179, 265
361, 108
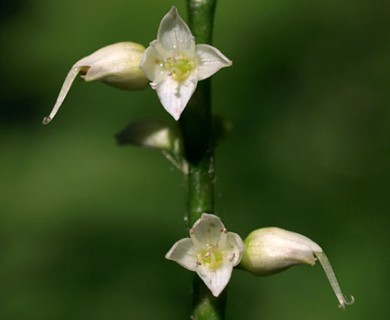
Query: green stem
196, 125
201, 19
196, 128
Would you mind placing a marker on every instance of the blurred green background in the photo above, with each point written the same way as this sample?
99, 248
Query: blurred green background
85, 224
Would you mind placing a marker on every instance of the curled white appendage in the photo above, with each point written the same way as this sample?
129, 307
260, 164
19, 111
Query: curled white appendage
343, 300
63, 92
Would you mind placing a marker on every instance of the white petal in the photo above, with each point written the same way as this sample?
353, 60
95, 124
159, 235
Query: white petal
210, 60
234, 248
116, 64
175, 95
183, 252
151, 64
111, 59
216, 280
174, 34
291, 239
207, 230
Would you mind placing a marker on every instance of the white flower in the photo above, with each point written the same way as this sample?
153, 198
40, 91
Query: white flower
271, 250
117, 65
211, 251
175, 64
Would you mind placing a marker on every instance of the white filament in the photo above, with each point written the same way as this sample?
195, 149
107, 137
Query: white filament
343, 301
63, 92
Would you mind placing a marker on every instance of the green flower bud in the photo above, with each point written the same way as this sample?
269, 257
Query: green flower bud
117, 65
271, 250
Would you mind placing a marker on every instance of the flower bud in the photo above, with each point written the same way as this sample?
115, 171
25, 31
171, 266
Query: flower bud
117, 65
271, 250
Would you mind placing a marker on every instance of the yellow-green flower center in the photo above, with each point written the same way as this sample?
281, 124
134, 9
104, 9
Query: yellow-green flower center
211, 257
179, 68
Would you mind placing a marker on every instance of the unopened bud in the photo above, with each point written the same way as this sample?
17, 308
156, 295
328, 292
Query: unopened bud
117, 65
271, 250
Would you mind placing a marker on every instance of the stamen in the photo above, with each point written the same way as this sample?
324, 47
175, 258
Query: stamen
178, 67
343, 300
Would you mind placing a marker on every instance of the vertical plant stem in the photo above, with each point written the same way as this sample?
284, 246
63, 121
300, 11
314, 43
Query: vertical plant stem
196, 125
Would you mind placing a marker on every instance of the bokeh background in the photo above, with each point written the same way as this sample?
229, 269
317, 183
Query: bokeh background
85, 224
